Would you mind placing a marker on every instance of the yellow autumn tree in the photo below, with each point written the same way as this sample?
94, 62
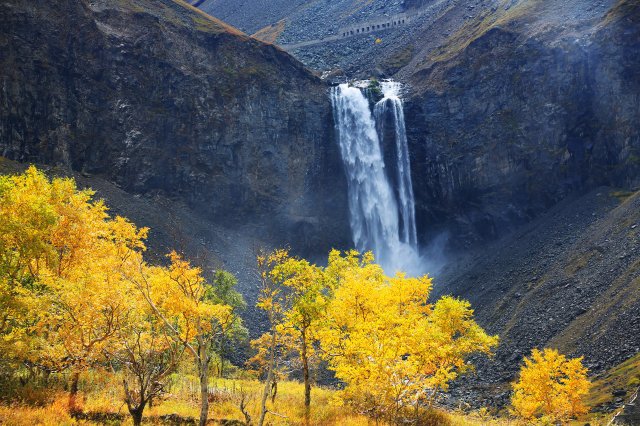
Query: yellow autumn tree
261, 363
304, 287
145, 354
75, 291
60, 254
190, 310
550, 387
27, 220
293, 295
272, 299
392, 349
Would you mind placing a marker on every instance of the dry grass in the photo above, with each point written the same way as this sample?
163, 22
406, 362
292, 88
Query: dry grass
104, 398
101, 398
54, 413
289, 404
578, 263
622, 195
480, 418
475, 28
270, 34
208, 23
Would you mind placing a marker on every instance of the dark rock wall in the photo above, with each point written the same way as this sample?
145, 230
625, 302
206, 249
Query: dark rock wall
515, 123
159, 98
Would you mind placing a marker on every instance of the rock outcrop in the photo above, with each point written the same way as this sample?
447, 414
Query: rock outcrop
158, 97
508, 120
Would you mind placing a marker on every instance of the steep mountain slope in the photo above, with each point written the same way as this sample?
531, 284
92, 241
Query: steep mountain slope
304, 19
382, 51
160, 98
568, 280
527, 107
520, 111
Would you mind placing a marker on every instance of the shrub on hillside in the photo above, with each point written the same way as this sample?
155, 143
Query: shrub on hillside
550, 387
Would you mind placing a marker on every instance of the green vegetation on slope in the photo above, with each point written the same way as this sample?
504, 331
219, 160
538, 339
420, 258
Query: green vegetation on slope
622, 380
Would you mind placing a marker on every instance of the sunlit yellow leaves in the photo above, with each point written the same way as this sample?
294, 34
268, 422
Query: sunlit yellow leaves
551, 387
390, 347
75, 290
72, 279
60, 257
180, 295
270, 290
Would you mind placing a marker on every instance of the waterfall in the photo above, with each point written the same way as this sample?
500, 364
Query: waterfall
391, 103
373, 210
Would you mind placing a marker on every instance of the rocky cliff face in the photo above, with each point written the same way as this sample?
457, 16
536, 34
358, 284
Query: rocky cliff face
522, 113
159, 98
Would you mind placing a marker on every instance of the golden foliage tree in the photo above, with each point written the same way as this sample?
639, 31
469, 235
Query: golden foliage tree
551, 387
298, 288
147, 354
272, 300
305, 286
75, 291
189, 309
393, 350
60, 252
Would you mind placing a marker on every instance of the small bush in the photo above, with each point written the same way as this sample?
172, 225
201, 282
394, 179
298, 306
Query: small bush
550, 387
426, 417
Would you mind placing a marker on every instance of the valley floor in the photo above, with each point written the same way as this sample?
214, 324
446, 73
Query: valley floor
102, 404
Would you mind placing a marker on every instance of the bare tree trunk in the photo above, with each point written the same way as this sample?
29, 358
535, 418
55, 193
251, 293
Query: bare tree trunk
307, 380
274, 388
223, 352
243, 407
204, 384
136, 414
269, 379
73, 392
135, 407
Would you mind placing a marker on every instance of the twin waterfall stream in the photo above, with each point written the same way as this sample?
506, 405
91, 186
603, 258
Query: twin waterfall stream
382, 217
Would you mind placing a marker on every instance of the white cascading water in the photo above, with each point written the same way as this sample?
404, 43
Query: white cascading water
391, 103
375, 223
